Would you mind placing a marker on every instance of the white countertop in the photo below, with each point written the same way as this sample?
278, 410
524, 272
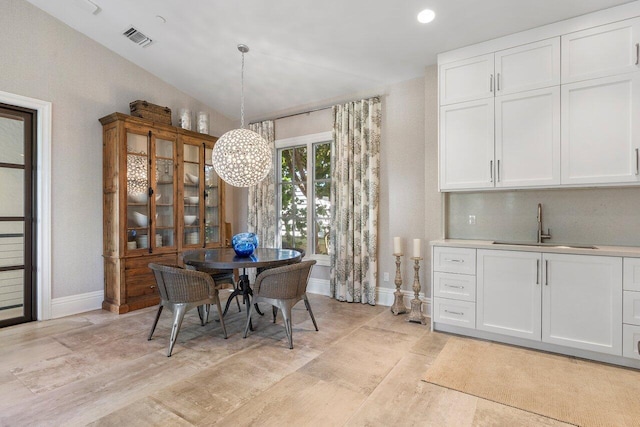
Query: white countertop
621, 251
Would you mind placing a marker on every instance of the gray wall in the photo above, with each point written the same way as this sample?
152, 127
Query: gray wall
43, 58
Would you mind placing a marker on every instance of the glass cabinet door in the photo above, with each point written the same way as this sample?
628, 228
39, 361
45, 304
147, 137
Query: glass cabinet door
138, 208
212, 196
163, 194
192, 162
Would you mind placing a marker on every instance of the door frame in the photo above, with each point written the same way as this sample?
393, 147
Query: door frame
42, 197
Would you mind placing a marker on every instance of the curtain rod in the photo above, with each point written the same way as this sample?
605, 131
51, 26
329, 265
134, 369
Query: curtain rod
311, 111
301, 113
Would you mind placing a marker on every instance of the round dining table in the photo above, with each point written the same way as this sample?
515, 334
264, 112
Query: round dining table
226, 259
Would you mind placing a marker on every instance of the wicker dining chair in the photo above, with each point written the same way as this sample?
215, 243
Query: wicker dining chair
274, 309
221, 277
182, 290
283, 287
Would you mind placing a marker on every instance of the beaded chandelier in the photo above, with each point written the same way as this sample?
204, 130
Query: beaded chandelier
241, 157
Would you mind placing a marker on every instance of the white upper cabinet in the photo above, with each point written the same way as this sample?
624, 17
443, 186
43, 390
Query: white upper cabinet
466, 145
566, 104
467, 80
527, 128
527, 67
601, 130
602, 51
519, 145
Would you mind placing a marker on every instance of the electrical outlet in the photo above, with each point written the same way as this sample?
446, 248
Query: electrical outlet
472, 220
386, 276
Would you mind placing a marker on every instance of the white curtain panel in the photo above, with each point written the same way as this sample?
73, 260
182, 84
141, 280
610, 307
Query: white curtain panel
262, 196
355, 157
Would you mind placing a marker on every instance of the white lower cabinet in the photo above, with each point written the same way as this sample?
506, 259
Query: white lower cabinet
555, 300
454, 312
582, 302
508, 293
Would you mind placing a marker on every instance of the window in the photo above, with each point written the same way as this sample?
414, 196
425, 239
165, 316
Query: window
304, 187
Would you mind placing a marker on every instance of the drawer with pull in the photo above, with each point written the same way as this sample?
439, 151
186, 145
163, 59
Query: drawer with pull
631, 308
454, 260
631, 341
454, 312
454, 286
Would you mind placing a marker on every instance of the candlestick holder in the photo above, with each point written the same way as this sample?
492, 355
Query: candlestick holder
398, 306
416, 305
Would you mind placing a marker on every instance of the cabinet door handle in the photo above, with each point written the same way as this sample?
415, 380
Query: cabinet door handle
490, 170
637, 53
546, 272
491, 83
458, 313
498, 169
498, 82
455, 287
453, 260
537, 272
637, 161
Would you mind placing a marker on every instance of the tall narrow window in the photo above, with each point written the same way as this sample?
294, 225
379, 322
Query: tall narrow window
304, 186
17, 298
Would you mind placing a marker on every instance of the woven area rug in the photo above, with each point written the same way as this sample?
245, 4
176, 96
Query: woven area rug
572, 390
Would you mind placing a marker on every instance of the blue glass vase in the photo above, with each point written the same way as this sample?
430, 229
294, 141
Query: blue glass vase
244, 244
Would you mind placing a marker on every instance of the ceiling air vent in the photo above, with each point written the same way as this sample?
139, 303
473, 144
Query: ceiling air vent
137, 37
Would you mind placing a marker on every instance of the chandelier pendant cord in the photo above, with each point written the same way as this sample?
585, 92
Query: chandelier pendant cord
242, 94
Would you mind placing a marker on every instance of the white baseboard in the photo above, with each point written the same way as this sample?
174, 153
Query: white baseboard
319, 286
386, 297
74, 304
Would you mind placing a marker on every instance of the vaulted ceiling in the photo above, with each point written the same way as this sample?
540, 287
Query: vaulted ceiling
302, 51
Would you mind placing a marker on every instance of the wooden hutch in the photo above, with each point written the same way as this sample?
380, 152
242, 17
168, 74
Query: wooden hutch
161, 196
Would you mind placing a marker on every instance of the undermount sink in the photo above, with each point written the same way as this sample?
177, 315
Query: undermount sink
546, 245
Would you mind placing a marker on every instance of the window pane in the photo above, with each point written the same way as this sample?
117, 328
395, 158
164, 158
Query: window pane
287, 215
287, 165
191, 153
164, 148
12, 140
323, 161
11, 243
300, 166
322, 216
11, 192
11, 294
137, 184
300, 231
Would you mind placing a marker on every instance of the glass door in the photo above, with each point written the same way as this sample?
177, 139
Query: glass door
17, 296
163, 195
138, 194
212, 197
192, 200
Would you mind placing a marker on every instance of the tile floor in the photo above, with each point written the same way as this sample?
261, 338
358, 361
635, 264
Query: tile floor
362, 368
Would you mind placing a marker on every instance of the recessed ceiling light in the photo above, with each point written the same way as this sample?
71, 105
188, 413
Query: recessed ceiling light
161, 19
426, 16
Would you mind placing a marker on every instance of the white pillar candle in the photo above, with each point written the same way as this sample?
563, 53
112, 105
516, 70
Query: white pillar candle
397, 245
417, 244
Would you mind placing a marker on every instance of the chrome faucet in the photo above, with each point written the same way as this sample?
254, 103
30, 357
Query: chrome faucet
541, 235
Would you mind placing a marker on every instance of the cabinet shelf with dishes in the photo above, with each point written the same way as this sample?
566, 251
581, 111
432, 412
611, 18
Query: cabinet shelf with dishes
155, 178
